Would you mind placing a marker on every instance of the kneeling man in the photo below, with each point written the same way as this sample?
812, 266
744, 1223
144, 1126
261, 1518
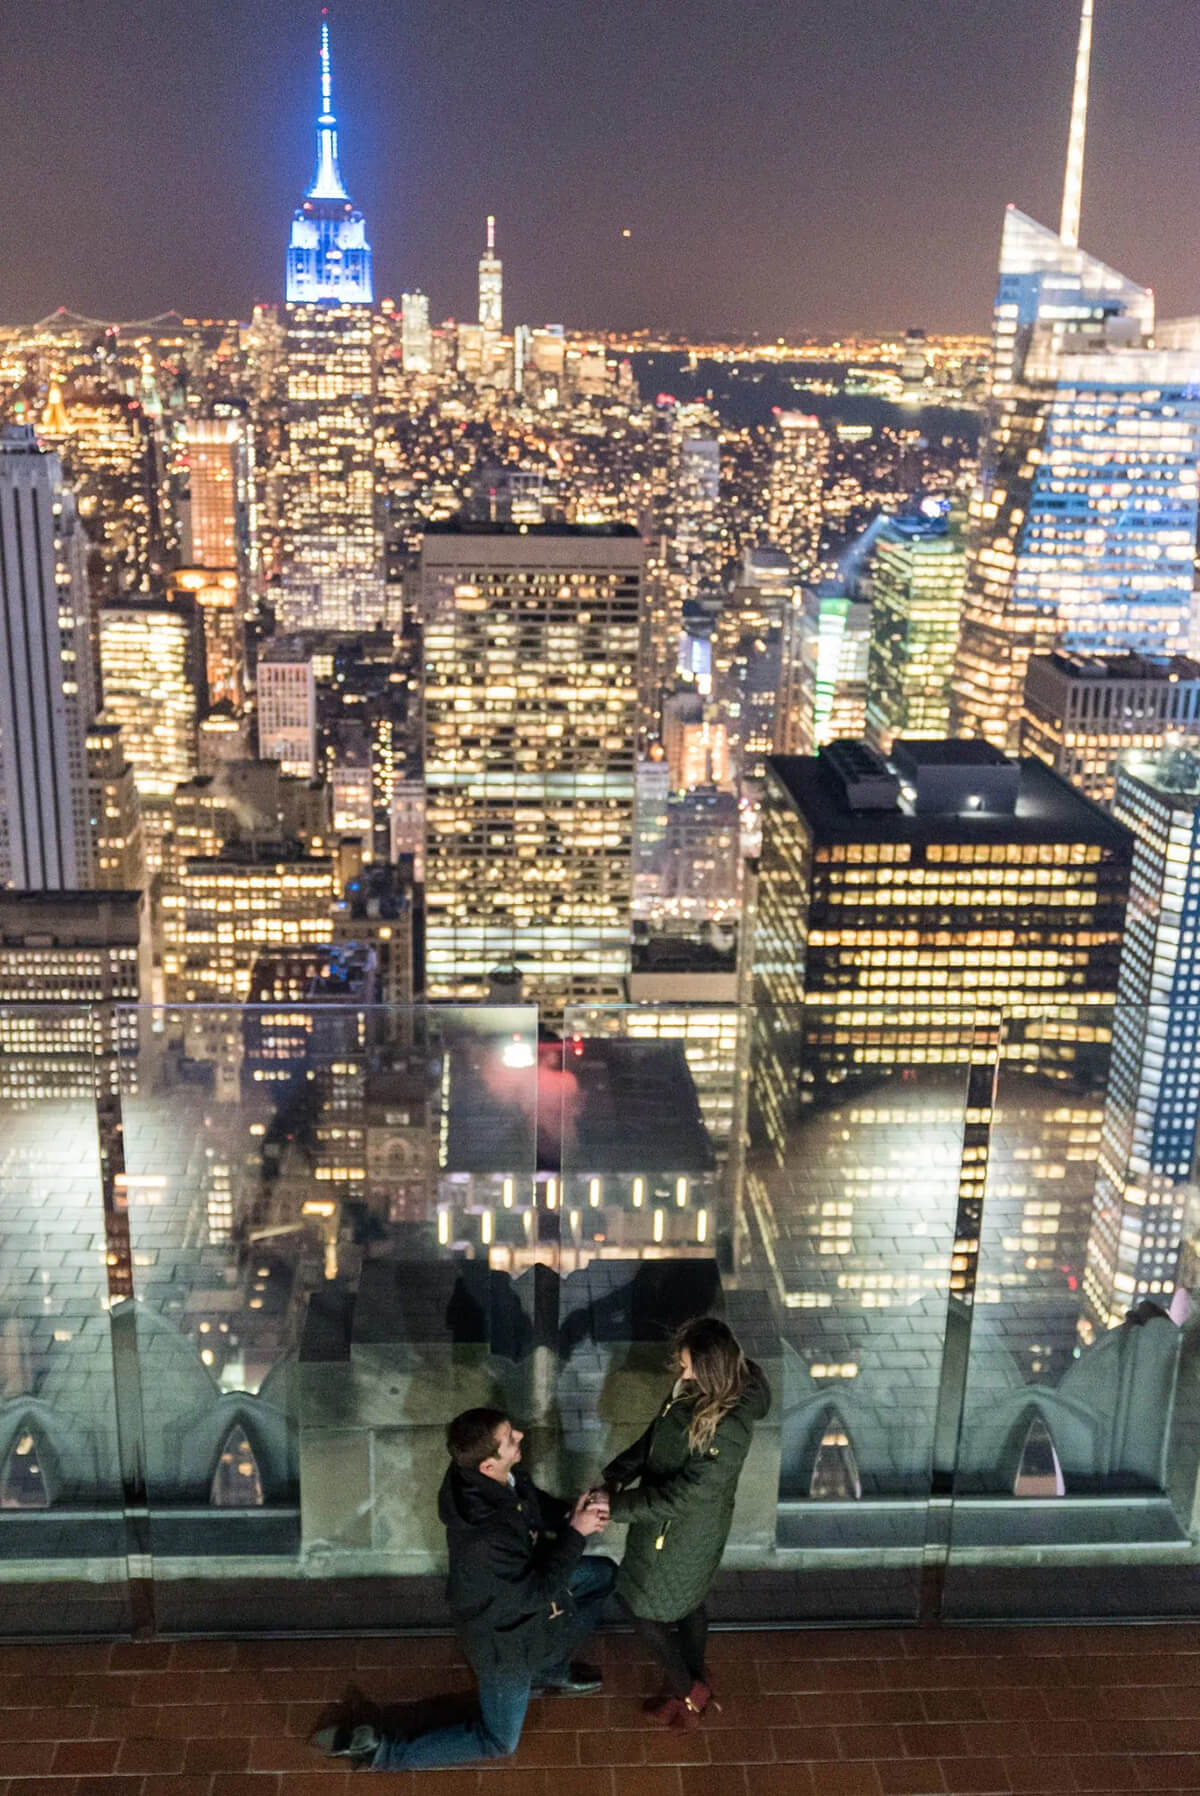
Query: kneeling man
521, 1595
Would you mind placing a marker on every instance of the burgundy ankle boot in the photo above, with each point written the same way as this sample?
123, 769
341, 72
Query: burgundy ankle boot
698, 1699
664, 1710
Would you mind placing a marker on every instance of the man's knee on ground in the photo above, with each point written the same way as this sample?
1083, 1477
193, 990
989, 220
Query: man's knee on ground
499, 1746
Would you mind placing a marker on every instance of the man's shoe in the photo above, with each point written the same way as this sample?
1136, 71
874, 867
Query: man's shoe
581, 1680
343, 1741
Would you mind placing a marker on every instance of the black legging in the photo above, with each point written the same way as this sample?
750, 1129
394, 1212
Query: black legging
678, 1646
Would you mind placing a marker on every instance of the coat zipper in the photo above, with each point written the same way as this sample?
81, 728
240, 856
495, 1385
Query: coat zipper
668, 1406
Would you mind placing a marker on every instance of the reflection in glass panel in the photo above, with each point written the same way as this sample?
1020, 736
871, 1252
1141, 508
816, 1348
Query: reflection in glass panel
1039, 1473
237, 1481
61, 1270
835, 1470
22, 1480
332, 1205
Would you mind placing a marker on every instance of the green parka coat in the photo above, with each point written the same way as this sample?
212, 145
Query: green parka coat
681, 1508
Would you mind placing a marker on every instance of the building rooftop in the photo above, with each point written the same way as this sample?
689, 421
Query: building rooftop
1046, 809
37, 919
382, 890
486, 527
1119, 667
681, 954
916, 752
258, 854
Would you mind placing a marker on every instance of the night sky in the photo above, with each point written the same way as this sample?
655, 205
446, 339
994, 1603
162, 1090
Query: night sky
783, 165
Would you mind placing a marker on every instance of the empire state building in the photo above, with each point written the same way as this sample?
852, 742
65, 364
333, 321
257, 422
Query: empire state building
332, 575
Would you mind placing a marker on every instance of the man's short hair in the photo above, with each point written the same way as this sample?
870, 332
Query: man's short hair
471, 1437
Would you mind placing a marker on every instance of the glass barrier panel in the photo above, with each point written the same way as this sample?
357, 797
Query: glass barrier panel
63, 1283
646, 1108
650, 1155
858, 1153
1075, 1484
318, 1194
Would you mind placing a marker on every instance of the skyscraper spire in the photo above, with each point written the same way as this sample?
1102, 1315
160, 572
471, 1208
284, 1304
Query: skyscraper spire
1073, 188
327, 182
328, 257
491, 284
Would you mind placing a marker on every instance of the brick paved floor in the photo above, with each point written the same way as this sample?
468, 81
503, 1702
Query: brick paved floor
814, 1713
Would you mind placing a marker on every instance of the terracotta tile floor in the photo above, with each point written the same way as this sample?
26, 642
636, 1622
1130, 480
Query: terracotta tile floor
809, 1713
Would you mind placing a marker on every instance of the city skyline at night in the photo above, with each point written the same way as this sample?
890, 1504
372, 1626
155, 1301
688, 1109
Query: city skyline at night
585, 744
805, 225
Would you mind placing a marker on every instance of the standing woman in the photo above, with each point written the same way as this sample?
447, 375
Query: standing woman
676, 1487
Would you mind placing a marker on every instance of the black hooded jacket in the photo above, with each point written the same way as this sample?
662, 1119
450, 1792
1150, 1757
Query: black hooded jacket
512, 1553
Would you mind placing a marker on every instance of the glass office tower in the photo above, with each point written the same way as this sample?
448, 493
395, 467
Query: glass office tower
1083, 526
1145, 1178
916, 609
531, 641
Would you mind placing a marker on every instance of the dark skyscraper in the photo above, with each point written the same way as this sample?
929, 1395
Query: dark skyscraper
46, 689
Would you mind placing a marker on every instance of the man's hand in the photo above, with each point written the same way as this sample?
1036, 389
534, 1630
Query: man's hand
588, 1517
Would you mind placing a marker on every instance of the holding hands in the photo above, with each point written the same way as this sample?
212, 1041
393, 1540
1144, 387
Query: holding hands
590, 1514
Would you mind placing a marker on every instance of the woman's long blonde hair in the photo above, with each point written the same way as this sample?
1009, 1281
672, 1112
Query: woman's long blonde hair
720, 1371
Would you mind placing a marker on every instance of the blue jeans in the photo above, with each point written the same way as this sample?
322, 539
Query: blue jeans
504, 1696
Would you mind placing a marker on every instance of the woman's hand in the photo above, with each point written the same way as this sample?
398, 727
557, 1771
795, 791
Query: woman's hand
589, 1517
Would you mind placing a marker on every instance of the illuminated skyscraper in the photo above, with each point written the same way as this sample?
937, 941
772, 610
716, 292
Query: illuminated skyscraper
215, 591
332, 547
222, 912
1083, 526
491, 285
78, 957
916, 608
152, 669
794, 497
901, 915
1083, 712
416, 337
111, 463
329, 258
756, 648
832, 656
46, 695
701, 853
531, 641
697, 510
287, 705
116, 818
220, 491
1146, 1172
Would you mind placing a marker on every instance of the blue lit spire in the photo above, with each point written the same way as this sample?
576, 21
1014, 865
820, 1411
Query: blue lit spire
327, 182
329, 258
